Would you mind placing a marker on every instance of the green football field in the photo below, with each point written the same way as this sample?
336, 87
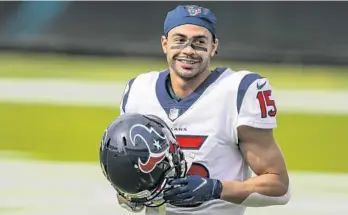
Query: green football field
311, 142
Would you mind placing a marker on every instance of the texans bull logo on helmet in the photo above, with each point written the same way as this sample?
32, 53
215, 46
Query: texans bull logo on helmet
157, 148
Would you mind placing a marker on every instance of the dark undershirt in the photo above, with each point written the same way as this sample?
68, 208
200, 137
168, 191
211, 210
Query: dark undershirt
170, 90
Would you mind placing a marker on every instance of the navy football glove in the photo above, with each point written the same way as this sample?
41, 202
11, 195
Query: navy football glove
192, 190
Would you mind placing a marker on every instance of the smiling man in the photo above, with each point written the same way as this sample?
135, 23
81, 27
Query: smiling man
223, 120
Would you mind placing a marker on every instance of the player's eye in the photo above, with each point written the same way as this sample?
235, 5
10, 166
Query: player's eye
199, 42
179, 40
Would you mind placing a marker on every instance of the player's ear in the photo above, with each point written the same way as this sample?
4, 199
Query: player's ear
164, 42
215, 45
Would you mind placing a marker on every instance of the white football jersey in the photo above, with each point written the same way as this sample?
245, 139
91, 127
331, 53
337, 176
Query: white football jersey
206, 122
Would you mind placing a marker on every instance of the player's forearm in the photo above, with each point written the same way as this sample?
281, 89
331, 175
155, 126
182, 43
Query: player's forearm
272, 185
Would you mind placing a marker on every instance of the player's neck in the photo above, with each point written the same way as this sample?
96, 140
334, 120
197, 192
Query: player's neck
183, 88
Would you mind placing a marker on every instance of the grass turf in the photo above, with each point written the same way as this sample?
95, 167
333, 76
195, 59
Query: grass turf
310, 142
121, 69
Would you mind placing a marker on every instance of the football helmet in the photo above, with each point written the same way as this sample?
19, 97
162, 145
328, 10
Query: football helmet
138, 154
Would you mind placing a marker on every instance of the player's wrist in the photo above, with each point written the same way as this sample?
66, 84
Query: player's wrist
234, 191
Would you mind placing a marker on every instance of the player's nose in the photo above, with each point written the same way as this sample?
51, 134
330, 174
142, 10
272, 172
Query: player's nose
188, 50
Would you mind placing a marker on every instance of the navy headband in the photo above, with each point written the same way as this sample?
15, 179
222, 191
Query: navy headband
190, 14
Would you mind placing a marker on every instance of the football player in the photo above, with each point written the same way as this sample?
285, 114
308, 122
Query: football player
224, 120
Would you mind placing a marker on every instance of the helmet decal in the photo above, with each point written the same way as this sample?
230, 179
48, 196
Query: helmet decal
140, 134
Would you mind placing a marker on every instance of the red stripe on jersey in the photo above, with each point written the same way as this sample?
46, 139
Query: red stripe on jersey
190, 142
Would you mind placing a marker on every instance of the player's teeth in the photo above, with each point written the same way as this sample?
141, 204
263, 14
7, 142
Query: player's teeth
186, 61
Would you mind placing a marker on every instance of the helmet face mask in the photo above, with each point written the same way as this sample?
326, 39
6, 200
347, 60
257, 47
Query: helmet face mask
138, 154
148, 198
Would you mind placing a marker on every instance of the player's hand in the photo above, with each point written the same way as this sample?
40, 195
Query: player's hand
192, 190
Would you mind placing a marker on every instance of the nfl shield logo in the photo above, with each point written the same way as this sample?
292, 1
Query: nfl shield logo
193, 10
173, 113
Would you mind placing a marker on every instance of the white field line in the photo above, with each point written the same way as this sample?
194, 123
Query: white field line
51, 188
108, 94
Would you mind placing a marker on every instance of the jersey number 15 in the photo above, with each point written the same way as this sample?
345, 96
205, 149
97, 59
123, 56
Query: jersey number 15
265, 102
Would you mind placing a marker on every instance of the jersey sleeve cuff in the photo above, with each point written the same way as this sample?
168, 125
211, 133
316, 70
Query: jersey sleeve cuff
257, 124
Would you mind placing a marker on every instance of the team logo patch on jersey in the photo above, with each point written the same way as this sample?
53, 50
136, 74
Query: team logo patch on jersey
193, 10
156, 144
174, 113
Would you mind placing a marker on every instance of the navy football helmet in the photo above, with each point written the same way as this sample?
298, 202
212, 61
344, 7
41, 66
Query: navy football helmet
138, 154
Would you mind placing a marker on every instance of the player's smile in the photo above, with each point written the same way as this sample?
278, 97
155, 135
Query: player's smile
187, 63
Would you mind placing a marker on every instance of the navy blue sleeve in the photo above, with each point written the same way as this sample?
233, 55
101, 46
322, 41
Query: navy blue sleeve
125, 96
244, 86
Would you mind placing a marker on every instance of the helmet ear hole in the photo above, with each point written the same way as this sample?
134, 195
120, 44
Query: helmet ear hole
108, 143
124, 141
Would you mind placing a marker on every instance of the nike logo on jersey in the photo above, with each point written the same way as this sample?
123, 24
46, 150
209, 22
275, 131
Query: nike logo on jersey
260, 86
204, 182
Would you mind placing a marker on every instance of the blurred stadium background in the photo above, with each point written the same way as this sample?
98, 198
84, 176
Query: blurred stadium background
63, 66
